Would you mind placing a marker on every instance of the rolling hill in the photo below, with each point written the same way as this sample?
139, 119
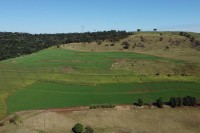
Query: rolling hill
144, 65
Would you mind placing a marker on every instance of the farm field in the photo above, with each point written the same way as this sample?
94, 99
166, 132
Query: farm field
45, 95
66, 77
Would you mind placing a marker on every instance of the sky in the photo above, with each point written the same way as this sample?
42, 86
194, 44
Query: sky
64, 16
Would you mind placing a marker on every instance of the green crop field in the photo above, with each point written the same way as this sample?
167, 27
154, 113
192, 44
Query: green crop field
58, 77
42, 95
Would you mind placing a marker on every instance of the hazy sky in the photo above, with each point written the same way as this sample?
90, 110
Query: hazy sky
56, 16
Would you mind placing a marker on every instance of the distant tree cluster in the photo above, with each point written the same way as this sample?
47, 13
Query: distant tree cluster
190, 37
16, 44
185, 101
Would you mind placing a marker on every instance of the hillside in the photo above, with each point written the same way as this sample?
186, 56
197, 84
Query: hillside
99, 72
14, 44
142, 41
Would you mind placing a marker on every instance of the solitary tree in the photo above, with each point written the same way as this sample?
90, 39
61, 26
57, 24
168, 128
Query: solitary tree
78, 128
140, 102
154, 29
138, 30
159, 103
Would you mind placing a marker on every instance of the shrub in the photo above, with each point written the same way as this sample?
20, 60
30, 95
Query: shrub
168, 75
89, 130
125, 45
140, 102
57, 46
189, 101
157, 74
159, 103
102, 106
173, 102
112, 106
167, 47
14, 119
2, 123
93, 106
78, 128
112, 44
99, 42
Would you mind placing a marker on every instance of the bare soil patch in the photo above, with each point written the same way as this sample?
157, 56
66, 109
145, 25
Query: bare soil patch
67, 69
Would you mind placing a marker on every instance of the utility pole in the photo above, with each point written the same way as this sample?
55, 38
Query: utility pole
82, 28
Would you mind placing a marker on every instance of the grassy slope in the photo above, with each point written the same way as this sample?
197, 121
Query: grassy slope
61, 66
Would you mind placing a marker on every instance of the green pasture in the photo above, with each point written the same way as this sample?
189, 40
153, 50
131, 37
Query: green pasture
44, 95
26, 79
52, 59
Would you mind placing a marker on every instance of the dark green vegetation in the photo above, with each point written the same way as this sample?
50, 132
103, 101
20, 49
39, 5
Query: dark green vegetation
159, 102
176, 102
97, 106
58, 77
53, 95
173, 102
140, 102
16, 44
78, 128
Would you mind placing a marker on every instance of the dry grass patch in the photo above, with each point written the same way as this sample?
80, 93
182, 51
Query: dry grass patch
118, 120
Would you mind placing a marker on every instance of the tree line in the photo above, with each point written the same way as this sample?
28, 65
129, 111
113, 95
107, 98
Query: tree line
14, 44
173, 102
